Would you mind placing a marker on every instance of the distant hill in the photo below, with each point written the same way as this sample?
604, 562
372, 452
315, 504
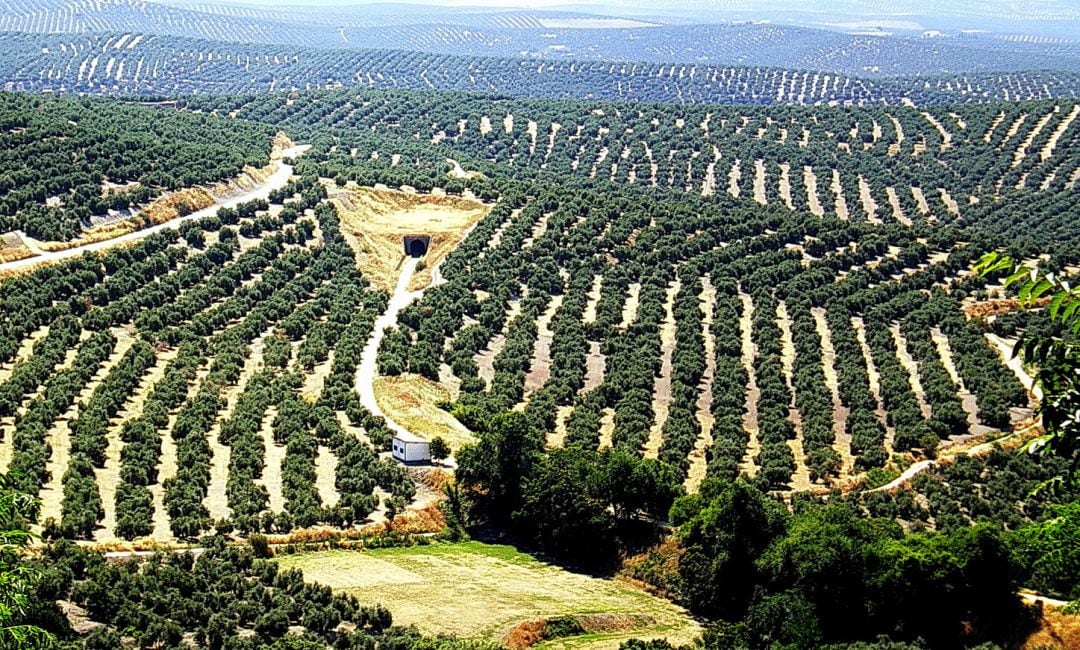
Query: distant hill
857, 49
163, 65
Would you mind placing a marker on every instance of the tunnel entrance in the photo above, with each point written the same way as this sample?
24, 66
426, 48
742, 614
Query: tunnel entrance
416, 245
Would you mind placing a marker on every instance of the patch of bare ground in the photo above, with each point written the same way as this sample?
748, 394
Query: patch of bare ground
485, 359
540, 369
557, 438
950, 203
698, 467
275, 456
946, 137
812, 200
800, 479
592, 300
912, 368
895, 147
875, 381
920, 200
26, 348
374, 222
594, 368
1021, 151
759, 182
1014, 128
1004, 348
166, 468
108, 476
868, 203
785, 185
530, 130
967, 399
607, 427
325, 473
897, 209
708, 186
538, 230
662, 384
734, 176
496, 236
993, 127
216, 500
7, 424
750, 415
630, 306
59, 437
555, 128
1062, 127
842, 443
315, 378
838, 193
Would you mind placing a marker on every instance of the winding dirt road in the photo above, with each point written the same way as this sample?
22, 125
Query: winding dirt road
367, 370
276, 181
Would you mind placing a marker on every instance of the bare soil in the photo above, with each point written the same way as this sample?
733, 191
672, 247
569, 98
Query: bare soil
374, 222
750, 417
698, 466
662, 385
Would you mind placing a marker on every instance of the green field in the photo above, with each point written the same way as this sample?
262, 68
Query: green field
482, 591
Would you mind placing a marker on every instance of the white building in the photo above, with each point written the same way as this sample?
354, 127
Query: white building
408, 448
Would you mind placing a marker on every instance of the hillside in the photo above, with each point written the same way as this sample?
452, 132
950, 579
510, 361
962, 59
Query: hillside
849, 47
160, 66
420, 328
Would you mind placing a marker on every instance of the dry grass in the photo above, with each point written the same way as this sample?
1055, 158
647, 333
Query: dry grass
374, 222
483, 591
13, 248
411, 401
1056, 630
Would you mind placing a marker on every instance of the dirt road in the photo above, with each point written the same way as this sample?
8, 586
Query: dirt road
276, 181
367, 370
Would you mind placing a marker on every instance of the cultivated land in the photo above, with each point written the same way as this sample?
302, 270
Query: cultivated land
413, 402
480, 590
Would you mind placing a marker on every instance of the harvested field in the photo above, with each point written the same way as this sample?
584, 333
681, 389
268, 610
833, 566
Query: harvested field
374, 222
482, 591
412, 401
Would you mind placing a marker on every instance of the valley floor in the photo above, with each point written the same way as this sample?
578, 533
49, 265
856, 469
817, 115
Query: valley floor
485, 591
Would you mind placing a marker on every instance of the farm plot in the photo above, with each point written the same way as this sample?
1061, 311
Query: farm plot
144, 415
483, 591
846, 164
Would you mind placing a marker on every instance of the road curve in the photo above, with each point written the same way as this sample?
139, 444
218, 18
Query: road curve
276, 181
923, 465
367, 370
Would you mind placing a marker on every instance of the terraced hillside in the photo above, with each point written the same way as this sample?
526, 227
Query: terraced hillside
219, 389
902, 165
136, 63
760, 328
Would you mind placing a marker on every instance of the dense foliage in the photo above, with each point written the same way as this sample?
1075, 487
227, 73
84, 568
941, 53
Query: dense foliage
64, 161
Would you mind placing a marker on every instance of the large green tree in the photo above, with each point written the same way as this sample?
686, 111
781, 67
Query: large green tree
17, 579
1055, 356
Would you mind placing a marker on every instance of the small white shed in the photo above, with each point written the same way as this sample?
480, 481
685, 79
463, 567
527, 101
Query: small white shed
411, 449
